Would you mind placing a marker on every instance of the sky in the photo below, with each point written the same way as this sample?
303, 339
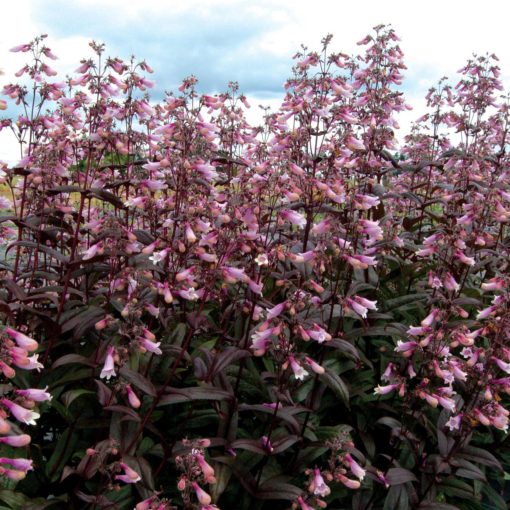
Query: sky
253, 41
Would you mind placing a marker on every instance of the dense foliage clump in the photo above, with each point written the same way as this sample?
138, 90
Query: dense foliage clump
200, 314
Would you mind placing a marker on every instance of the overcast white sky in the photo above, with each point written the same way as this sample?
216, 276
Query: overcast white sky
252, 41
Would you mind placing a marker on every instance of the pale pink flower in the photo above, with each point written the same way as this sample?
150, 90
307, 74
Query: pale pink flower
16, 441
350, 484
35, 394
133, 399
21, 47
20, 413
356, 469
202, 496
318, 334
25, 342
494, 284
318, 486
294, 217
299, 371
129, 475
206, 469
274, 312
383, 390
454, 422
21, 464
109, 364
149, 345
450, 283
318, 369
360, 261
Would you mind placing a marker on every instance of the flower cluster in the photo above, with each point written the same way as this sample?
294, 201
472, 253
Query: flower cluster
17, 403
331, 312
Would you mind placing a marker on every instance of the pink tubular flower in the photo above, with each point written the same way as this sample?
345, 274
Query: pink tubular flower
372, 229
20, 464
109, 364
294, 217
301, 258
208, 172
133, 399
33, 363
450, 283
202, 496
83, 68
190, 294
13, 474
502, 364
8, 371
206, 469
318, 486
431, 318
261, 340
454, 422
418, 330
16, 441
406, 348
46, 69
425, 252
318, 369
35, 394
321, 227
464, 259
486, 312
255, 287
95, 249
361, 305
299, 371
350, 484
318, 334
356, 469
354, 144
494, 284
129, 475
234, 274
190, 235
150, 346
21, 47
383, 390
276, 310
360, 261
266, 444
23, 341
5, 426
20, 413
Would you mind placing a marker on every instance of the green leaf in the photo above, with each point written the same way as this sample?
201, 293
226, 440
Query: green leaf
70, 396
433, 505
64, 448
494, 500
335, 382
278, 490
397, 476
13, 499
178, 395
138, 380
397, 498
480, 456
73, 358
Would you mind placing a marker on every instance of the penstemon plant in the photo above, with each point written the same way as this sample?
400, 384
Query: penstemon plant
197, 313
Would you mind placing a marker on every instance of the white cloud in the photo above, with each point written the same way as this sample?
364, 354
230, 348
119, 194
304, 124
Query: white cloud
438, 36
